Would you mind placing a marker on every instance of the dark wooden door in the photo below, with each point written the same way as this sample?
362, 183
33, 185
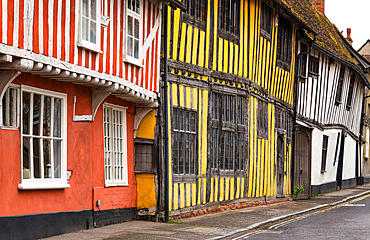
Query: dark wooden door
280, 166
302, 162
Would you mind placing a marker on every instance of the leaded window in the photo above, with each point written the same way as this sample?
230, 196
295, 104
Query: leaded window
284, 44
228, 132
338, 96
184, 126
143, 157
350, 91
266, 21
228, 18
313, 66
262, 119
197, 9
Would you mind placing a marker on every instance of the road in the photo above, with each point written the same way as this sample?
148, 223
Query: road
350, 220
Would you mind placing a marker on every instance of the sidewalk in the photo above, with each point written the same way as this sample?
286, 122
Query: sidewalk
216, 225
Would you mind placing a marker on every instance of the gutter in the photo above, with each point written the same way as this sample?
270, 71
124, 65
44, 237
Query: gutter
346, 62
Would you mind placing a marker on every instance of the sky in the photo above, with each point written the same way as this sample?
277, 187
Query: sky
352, 14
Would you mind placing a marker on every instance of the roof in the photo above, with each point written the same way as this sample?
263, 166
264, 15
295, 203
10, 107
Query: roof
328, 36
365, 44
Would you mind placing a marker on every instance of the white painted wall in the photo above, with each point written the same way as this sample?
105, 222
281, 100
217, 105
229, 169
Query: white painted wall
317, 177
349, 160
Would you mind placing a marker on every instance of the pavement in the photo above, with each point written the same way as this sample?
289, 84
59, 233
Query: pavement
220, 224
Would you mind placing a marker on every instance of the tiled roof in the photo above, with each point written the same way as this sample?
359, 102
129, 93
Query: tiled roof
328, 36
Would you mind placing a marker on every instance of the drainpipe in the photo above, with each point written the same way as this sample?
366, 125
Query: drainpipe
360, 181
295, 99
165, 52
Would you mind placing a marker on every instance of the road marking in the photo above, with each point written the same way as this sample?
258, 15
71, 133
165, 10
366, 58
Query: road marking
250, 234
354, 205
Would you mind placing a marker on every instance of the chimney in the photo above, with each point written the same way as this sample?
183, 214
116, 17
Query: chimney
319, 5
349, 39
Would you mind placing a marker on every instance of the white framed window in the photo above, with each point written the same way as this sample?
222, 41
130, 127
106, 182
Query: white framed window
115, 145
90, 25
43, 139
9, 108
133, 31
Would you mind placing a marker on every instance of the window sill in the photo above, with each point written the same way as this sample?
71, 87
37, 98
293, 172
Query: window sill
43, 185
133, 62
9, 128
116, 184
90, 48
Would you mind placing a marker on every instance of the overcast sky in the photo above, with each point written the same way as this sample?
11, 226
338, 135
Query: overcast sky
354, 14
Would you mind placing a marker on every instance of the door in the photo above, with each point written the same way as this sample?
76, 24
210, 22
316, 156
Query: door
302, 162
280, 166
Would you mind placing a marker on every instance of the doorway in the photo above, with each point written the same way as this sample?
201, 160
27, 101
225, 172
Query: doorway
302, 161
280, 166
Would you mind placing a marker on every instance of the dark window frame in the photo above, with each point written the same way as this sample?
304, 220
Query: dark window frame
324, 156
284, 44
313, 66
338, 95
196, 14
229, 132
266, 21
262, 119
303, 59
229, 20
144, 142
184, 134
350, 91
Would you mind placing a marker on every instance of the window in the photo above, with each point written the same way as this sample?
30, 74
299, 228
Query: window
43, 139
228, 18
185, 141
115, 145
266, 21
350, 91
262, 119
228, 149
283, 121
90, 24
143, 157
304, 48
324, 152
338, 96
10, 108
313, 66
284, 50
196, 13
134, 33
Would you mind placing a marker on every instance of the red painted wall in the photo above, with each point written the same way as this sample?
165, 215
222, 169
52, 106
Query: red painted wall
85, 158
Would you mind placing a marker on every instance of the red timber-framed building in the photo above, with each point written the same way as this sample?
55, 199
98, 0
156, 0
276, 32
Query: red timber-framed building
76, 79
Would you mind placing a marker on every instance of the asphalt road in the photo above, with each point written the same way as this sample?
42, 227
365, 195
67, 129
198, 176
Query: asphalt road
346, 221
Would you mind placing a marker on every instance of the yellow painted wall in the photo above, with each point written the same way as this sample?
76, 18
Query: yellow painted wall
253, 57
146, 194
192, 45
146, 126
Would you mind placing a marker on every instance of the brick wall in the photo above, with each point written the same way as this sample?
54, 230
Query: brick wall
319, 5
